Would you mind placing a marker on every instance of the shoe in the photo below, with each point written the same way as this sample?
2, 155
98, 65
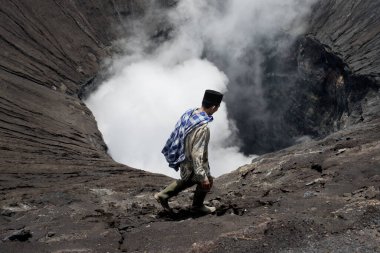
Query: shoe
204, 209
171, 190
164, 202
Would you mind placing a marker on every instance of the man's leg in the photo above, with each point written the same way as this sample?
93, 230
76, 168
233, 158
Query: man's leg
199, 197
171, 190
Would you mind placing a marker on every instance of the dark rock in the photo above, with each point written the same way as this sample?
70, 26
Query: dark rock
266, 202
7, 212
285, 190
20, 235
317, 167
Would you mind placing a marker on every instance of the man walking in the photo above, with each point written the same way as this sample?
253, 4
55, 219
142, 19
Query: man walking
187, 150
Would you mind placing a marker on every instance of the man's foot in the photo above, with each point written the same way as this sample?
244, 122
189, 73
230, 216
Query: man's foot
163, 201
204, 209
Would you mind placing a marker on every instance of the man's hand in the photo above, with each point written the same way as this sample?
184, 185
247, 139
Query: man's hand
206, 185
211, 179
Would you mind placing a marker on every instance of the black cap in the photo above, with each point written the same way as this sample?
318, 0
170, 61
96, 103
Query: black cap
212, 97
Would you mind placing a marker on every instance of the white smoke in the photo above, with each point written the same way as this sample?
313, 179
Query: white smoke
138, 107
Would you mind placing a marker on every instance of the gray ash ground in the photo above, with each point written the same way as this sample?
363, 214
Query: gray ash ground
279, 203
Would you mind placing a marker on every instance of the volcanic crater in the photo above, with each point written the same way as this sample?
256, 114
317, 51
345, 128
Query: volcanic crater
62, 192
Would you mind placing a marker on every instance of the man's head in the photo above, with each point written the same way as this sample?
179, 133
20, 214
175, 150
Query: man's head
211, 101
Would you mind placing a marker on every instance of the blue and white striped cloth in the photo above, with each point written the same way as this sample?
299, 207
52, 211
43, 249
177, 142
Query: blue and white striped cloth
174, 150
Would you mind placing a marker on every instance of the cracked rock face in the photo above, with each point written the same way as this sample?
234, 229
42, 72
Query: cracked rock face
61, 192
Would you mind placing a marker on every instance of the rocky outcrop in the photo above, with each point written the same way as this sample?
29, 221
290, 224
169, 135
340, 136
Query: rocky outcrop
341, 50
328, 80
61, 192
327, 95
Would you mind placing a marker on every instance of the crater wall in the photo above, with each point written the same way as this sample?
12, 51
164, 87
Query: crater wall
51, 49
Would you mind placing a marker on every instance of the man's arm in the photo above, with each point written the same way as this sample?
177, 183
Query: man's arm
199, 155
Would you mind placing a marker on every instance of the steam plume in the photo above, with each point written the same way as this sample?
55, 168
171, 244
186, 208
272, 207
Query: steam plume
205, 47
